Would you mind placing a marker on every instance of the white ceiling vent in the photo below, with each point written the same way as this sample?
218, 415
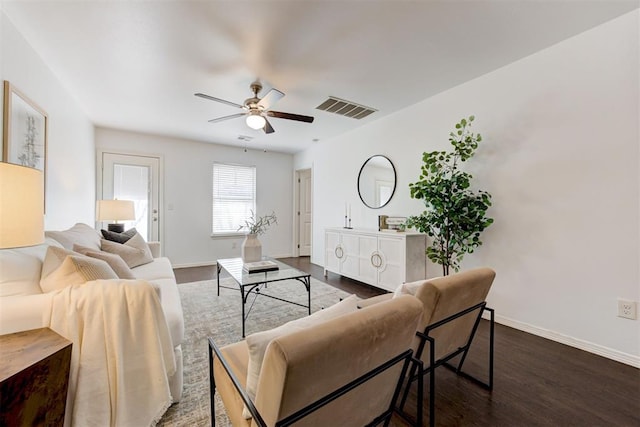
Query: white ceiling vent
345, 108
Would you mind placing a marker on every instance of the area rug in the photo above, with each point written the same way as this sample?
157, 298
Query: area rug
208, 315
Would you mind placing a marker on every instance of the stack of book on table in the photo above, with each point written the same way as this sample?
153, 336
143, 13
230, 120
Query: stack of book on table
258, 266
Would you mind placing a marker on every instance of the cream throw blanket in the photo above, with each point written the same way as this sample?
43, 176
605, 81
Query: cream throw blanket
122, 355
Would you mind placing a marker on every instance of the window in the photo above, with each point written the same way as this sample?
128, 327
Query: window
234, 196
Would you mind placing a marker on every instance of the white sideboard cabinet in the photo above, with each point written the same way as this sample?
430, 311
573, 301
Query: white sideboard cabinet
382, 259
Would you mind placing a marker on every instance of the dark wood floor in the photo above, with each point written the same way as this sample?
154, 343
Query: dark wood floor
537, 382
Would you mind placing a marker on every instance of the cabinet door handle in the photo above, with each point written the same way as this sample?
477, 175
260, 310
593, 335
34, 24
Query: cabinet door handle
376, 260
339, 252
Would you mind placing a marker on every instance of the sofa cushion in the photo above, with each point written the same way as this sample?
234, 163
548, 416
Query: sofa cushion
119, 237
135, 252
80, 233
20, 269
115, 261
258, 342
171, 306
74, 270
160, 273
160, 268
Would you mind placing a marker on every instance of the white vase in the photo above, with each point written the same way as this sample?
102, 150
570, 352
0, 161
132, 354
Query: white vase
251, 248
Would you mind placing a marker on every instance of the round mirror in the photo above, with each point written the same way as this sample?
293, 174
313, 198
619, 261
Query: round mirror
376, 181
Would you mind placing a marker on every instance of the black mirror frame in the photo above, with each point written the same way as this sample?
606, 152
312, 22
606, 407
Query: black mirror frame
395, 182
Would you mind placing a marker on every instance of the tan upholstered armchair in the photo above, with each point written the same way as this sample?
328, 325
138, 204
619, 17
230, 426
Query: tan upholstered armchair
345, 371
452, 309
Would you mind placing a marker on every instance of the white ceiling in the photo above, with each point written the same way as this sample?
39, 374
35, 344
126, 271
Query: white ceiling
136, 65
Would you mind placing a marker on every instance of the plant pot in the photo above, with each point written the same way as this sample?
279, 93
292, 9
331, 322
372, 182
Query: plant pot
251, 248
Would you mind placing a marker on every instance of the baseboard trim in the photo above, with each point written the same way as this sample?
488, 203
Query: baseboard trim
609, 353
195, 264
211, 263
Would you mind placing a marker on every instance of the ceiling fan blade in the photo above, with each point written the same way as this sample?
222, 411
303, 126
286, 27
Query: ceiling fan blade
289, 116
213, 98
273, 96
233, 116
267, 127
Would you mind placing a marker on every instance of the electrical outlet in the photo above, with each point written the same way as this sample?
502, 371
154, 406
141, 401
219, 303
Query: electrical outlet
627, 309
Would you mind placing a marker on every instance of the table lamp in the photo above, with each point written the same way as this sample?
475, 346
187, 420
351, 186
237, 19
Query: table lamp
115, 210
21, 206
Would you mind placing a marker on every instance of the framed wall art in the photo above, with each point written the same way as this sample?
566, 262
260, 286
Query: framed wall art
25, 130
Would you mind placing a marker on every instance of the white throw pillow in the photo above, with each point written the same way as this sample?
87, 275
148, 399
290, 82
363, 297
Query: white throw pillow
410, 288
258, 342
75, 270
53, 259
135, 252
80, 233
115, 261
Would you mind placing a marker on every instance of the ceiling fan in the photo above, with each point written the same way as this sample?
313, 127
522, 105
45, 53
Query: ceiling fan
257, 109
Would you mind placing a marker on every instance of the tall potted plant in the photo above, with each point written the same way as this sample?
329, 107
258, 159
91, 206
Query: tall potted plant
455, 214
255, 226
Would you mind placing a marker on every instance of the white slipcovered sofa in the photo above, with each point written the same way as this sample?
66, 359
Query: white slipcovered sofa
23, 305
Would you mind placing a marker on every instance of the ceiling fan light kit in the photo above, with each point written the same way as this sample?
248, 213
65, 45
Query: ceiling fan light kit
257, 108
255, 121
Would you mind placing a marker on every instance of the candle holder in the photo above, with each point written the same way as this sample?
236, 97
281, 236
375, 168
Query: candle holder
347, 215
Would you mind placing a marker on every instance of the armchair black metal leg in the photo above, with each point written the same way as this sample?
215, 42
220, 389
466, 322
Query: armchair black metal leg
420, 394
412, 373
489, 384
432, 383
416, 374
410, 378
396, 391
464, 350
491, 341
444, 361
212, 388
468, 345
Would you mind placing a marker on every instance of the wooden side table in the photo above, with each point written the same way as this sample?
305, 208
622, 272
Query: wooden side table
34, 378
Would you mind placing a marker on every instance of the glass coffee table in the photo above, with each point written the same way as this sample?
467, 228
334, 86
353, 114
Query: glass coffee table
249, 283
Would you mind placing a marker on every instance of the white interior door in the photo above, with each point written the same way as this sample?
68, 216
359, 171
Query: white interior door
133, 177
304, 212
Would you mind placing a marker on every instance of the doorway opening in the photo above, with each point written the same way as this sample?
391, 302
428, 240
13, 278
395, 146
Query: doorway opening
303, 227
137, 178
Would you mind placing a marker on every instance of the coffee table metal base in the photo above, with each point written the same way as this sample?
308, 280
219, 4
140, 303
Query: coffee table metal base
253, 283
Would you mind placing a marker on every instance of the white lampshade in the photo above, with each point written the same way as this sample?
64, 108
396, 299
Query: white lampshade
255, 121
115, 210
21, 206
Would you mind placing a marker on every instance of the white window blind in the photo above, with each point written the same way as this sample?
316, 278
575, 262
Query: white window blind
234, 196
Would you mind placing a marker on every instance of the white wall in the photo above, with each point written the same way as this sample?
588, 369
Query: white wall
186, 230
70, 189
561, 158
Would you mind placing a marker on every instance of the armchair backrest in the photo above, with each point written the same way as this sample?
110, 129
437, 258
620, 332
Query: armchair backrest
446, 296
301, 367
